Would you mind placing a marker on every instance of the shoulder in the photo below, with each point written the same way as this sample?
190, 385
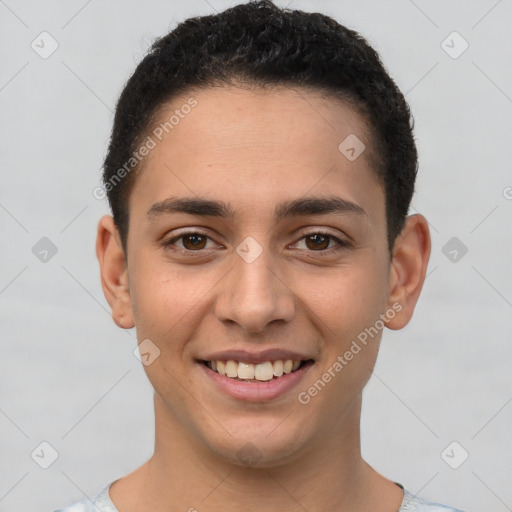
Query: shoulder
99, 501
413, 503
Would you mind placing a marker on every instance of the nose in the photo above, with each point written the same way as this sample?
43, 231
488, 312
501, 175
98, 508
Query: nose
254, 295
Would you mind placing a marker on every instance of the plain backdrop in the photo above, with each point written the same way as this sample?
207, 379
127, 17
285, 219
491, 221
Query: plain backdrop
441, 390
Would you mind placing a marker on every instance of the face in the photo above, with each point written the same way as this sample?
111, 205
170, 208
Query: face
254, 241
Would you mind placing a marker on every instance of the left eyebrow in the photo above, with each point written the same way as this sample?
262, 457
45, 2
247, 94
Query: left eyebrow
305, 206
316, 206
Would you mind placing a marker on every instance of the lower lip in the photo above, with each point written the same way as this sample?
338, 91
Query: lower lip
257, 391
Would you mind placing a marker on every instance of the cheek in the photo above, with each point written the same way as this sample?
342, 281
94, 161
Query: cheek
345, 307
344, 300
170, 305
165, 305
162, 299
353, 331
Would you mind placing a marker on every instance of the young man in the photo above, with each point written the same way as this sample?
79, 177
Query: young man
260, 171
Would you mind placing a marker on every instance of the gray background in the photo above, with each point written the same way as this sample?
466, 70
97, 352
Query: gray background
68, 376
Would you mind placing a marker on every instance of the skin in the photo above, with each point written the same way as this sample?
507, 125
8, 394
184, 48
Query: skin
254, 149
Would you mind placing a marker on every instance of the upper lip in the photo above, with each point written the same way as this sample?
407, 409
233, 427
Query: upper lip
245, 356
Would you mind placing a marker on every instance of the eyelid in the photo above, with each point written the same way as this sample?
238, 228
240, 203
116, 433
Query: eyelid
171, 240
320, 231
341, 244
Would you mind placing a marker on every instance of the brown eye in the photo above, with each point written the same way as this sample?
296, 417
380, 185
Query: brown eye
194, 241
317, 241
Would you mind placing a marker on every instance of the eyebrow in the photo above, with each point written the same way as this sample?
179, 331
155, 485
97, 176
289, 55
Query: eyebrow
305, 206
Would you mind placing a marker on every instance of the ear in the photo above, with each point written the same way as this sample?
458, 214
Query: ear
114, 272
408, 268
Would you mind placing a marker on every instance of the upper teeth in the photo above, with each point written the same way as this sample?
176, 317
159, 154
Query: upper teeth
248, 371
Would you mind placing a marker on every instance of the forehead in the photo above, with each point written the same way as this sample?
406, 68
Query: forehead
257, 147
231, 118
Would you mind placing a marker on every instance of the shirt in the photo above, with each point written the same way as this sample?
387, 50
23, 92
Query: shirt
101, 502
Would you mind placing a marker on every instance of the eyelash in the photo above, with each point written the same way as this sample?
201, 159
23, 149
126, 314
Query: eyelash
341, 245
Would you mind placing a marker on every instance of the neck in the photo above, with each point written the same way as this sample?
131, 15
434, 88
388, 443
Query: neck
328, 474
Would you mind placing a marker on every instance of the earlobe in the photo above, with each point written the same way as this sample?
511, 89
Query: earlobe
113, 272
411, 254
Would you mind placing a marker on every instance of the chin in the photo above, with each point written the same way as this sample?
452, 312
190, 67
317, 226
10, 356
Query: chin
270, 444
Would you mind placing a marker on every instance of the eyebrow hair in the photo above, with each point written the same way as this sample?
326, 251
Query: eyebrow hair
316, 206
297, 207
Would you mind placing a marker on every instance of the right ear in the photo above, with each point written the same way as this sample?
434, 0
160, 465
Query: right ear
114, 272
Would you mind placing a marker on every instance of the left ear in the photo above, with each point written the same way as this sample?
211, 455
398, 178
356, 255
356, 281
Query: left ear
408, 268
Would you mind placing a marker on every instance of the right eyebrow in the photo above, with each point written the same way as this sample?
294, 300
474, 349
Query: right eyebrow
192, 206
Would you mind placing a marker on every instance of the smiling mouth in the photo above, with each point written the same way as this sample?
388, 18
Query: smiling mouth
261, 372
